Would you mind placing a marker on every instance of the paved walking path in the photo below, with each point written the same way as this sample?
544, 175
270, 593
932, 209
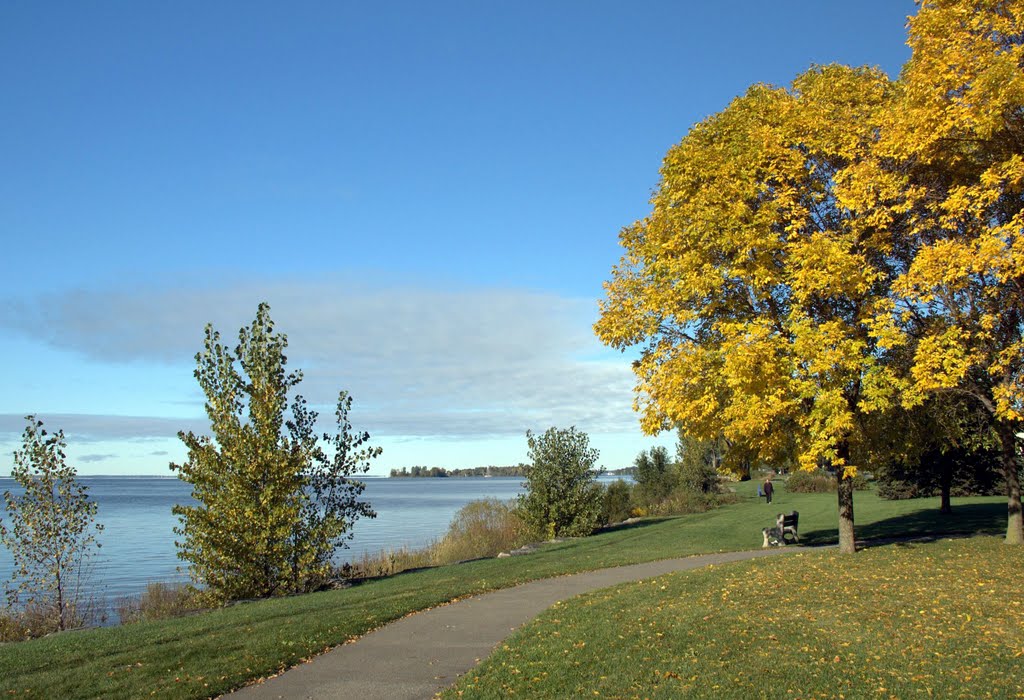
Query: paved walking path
415, 657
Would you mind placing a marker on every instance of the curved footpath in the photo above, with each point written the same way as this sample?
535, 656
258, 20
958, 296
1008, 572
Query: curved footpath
417, 656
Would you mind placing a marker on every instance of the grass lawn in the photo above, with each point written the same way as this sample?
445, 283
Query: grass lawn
214, 652
939, 619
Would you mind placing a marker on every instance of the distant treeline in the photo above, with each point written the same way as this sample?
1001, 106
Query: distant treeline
517, 470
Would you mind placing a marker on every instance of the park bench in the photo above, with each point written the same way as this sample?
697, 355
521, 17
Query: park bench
784, 525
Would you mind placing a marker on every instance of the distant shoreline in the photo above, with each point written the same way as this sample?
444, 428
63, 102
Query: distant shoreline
419, 472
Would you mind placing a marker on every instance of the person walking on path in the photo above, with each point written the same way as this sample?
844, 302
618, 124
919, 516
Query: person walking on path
768, 489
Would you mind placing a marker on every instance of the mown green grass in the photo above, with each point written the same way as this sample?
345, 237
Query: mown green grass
939, 619
214, 652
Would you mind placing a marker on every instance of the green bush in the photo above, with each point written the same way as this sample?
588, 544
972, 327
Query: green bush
562, 499
655, 476
810, 482
481, 529
697, 460
820, 482
684, 500
901, 490
616, 505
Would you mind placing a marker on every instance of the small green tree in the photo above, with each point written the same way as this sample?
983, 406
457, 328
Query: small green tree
616, 502
654, 474
562, 498
272, 504
699, 462
51, 532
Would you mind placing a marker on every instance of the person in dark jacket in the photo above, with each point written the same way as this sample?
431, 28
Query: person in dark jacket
768, 489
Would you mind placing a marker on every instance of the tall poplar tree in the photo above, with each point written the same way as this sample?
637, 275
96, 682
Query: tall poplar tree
750, 286
272, 504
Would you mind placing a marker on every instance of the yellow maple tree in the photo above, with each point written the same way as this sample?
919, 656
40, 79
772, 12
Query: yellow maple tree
751, 287
952, 152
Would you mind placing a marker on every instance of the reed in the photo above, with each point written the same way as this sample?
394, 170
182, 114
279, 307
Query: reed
160, 601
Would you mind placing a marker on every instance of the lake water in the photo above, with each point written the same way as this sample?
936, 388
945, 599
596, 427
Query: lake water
138, 538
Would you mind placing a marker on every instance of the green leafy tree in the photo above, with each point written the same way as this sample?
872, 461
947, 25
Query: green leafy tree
562, 498
51, 532
699, 462
654, 475
617, 502
273, 504
943, 446
954, 472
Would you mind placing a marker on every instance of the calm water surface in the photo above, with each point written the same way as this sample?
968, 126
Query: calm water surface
138, 538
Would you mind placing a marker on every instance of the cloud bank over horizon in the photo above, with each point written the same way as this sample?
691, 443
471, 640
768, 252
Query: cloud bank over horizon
474, 362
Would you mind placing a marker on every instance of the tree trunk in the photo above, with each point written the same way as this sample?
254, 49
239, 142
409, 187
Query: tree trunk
847, 543
945, 483
59, 583
1008, 463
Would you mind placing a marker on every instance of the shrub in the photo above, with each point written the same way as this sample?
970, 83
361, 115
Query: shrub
13, 628
159, 602
562, 499
819, 482
655, 475
36, 619
481, 529
697, 464
899, 490
387, 562
810, 482
616, 502
684, 500
969, 473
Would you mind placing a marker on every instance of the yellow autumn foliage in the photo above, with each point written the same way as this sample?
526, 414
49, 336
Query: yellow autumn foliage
841, 247
958, 130
747, 282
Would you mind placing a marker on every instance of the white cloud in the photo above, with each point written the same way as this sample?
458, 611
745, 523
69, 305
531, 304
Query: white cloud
89, 458
91, 427
418, 361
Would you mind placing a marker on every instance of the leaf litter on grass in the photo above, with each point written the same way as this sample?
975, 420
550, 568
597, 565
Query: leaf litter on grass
941, 619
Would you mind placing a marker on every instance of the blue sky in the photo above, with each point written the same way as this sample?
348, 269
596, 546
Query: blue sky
428, 195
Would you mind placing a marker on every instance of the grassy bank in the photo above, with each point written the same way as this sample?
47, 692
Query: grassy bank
214, 652
930, 619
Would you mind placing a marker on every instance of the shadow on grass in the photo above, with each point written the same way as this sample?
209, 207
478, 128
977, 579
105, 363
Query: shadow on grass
619, 527
340, 582
923, 524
